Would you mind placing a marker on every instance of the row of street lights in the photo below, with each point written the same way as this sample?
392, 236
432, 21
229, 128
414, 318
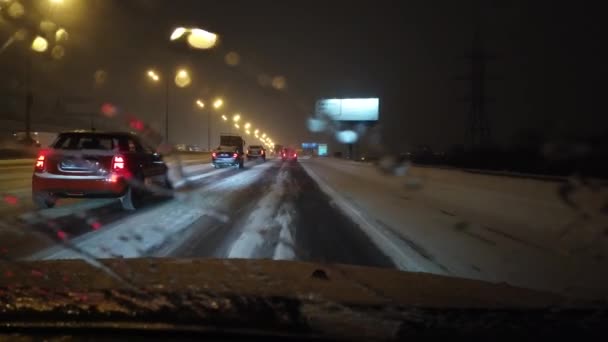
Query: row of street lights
183, 79
199, 39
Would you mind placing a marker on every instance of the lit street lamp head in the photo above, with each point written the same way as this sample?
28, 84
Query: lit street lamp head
182, 78
218, 103
197, 38
236, 118
39, 44
177, 33
153, 75
224, 118
200, 104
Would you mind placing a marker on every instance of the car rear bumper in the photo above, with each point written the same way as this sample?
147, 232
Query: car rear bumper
79, 186
225, 162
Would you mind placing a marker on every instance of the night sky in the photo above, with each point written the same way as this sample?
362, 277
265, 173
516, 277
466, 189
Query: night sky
547, 78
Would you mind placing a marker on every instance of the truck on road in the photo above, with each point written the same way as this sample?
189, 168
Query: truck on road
230, 152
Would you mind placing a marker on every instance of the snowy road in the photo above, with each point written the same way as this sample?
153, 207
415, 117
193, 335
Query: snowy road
334, 211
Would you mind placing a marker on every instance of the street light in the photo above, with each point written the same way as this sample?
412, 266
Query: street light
247, 125
217, 103
39, 44
263, 135
237, 126
153, 75
182, 78
236, 117
197, 38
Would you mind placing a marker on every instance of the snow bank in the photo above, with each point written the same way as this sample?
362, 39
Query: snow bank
524, 232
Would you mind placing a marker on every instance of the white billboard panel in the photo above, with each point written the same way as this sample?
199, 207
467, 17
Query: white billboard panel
349, 109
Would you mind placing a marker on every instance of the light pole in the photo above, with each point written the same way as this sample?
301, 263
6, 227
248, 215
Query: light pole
182, 79
217, 104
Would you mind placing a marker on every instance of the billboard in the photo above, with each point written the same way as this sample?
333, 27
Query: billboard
322, 150
309, 145
349, 109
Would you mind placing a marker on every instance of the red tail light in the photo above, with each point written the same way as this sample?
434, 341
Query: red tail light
295, 155
236, 155
213, 155
263, 152
40, 163
118, 163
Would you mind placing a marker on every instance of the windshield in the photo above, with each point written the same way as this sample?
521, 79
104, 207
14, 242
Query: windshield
459, 139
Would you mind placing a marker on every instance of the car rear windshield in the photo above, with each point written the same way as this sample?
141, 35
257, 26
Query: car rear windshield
85, 142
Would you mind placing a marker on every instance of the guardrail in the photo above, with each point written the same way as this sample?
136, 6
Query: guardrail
186, 158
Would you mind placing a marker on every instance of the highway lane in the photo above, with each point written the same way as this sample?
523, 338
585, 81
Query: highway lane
284, 215
268, 210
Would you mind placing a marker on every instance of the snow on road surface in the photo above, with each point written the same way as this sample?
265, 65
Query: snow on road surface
138, 234
262, 224
474, 226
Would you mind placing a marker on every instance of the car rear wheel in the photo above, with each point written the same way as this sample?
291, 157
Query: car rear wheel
134, 197
44, 200
241, 164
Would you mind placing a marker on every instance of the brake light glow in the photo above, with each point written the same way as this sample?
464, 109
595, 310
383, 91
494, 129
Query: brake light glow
235, 155
213, 155
295, 155
40, 163
118, 163
263, 152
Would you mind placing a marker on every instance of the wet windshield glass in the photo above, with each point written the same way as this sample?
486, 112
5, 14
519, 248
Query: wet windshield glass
461, 139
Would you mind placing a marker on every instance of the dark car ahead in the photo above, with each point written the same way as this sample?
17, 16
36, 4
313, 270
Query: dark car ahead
289, 154
227, 156
86, 164
256, 152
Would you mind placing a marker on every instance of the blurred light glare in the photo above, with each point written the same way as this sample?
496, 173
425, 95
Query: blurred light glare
58, 2
279, 82
218, 103
16, 10
182, 78
237, 126
100, 77
177, 33
256, 131
20, 34
47, 26
61, 35
247, 125
224, 118
264, 80
39, 44
248, 132
232, 58
263, 135
200, 104
347, 137
58, 52
316, 125
236, 117
108, 110
201, 39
